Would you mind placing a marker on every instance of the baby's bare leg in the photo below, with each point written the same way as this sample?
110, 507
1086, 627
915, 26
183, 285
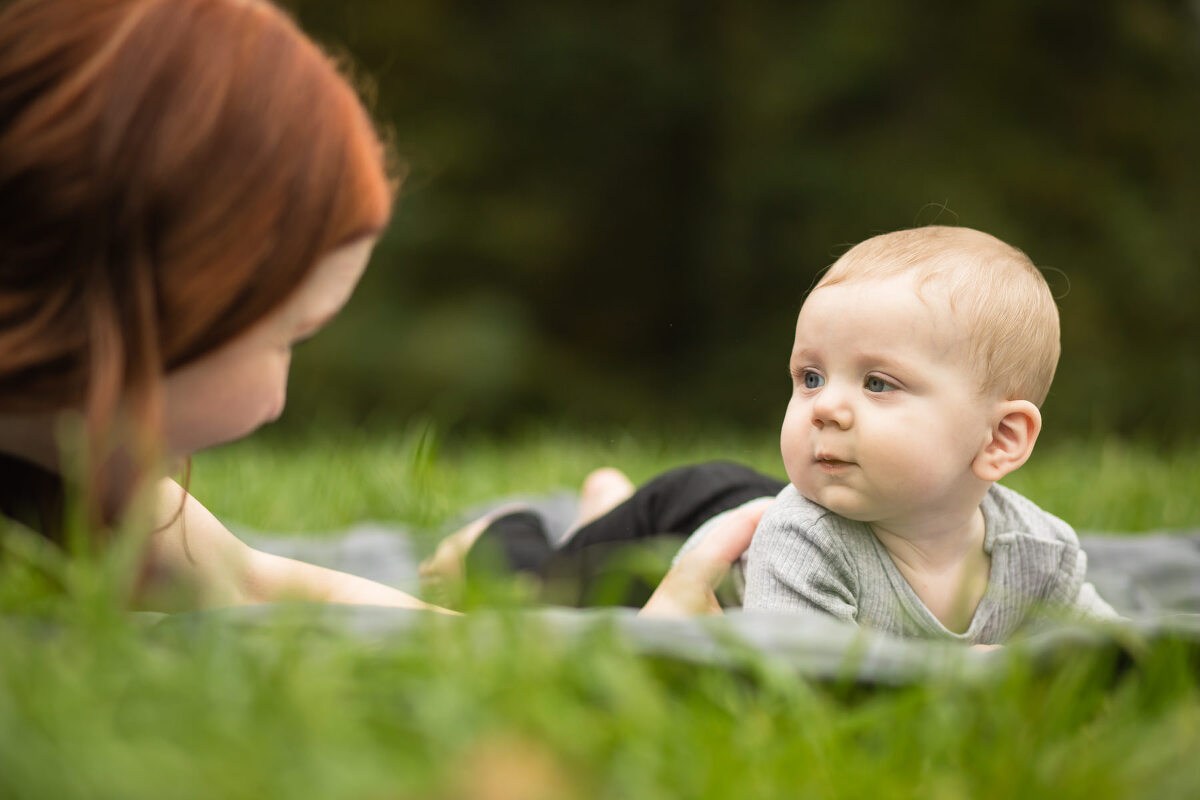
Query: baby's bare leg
602, 490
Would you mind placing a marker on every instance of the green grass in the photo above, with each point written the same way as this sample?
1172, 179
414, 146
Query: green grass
95, 704
331, 480
334, 479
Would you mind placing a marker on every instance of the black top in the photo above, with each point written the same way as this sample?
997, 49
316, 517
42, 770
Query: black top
31, 496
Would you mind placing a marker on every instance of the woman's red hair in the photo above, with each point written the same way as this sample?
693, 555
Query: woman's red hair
170, 170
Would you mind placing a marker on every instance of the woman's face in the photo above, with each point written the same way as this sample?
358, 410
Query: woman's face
230, 392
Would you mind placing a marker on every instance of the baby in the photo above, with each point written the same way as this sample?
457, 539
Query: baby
920, 361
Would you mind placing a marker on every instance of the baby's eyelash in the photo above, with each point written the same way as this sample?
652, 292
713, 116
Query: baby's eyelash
798, 374
885, 384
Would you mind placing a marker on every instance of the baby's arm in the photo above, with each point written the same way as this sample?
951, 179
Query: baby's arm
193, 561
1090, 605
1087, 604
796, 565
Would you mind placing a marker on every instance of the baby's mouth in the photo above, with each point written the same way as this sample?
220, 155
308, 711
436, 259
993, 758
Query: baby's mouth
830, 464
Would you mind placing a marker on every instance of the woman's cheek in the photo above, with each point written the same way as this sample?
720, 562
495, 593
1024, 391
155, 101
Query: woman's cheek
279, 387
276, 405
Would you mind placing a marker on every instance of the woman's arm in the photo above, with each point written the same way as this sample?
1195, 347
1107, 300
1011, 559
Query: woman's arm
690, 586
193, 561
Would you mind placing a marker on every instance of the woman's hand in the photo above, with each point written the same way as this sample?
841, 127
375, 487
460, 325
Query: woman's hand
689, 588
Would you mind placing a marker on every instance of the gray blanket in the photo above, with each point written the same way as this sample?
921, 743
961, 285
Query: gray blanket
1153, 579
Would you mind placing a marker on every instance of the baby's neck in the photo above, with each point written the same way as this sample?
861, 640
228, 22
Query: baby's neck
933, 544
944, 564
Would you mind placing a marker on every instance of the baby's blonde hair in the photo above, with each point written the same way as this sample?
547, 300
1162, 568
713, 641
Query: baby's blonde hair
1010, 315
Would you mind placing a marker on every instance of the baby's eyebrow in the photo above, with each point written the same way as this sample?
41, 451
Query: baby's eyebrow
889, 362
865, 360
804, 354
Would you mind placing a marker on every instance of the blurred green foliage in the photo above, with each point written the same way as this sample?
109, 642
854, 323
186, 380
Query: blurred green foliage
295, 702
613, 210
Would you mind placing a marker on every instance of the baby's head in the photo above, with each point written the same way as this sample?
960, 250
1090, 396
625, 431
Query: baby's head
920, 361
1008, 316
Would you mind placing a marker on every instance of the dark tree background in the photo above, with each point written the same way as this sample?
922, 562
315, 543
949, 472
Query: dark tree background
613, 210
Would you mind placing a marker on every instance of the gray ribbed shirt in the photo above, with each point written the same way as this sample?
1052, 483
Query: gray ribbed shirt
804, 556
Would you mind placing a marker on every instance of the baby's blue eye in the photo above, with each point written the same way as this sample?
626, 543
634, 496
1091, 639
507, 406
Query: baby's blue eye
875, 384
813, 381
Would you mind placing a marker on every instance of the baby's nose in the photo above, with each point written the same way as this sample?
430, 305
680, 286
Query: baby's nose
831, 406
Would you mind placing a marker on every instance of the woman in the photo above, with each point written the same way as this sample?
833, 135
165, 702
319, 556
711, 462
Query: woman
187, 189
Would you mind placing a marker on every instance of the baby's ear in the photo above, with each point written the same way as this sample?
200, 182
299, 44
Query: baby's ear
1015, 427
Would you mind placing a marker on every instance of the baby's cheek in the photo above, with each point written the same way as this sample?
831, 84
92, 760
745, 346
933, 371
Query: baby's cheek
793, 445
894, 453
915, 466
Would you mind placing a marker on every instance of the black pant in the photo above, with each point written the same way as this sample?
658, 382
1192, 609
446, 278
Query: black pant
619, 558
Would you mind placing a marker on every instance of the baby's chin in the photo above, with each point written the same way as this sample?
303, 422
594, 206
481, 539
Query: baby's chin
832, 498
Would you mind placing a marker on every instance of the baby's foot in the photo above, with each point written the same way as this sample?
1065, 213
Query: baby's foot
602, 490
442, 573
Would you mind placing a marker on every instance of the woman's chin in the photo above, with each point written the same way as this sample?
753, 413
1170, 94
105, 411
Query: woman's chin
184, 446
